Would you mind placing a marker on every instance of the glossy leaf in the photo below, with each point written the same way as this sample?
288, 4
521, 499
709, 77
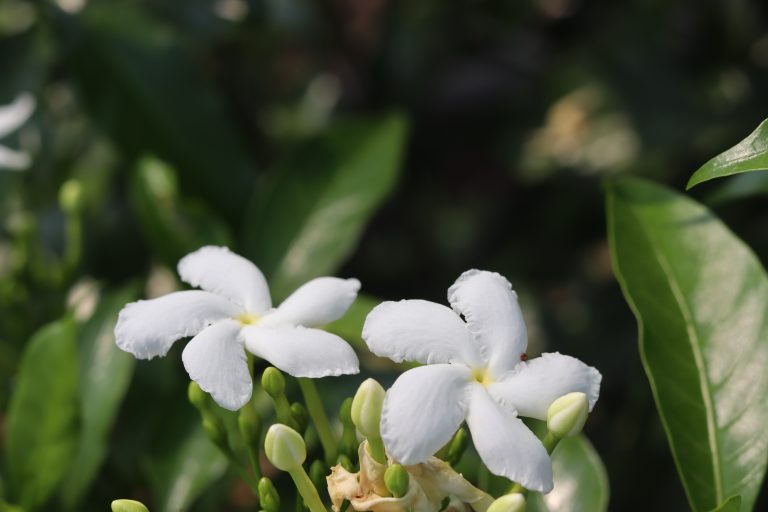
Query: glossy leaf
105, 374
732, 504
751, 154
308, 219
42, 417
699, 296
182, 473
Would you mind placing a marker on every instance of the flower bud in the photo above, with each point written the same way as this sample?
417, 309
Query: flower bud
250, 425
317, 473
300, 414
345, 412
198, 397
457, 446
567, 415
285, 447
269, 499
348, 442
366, 408
128, 506
71, 196
514, 502
345, 462
397, 480
216, 431
273, 382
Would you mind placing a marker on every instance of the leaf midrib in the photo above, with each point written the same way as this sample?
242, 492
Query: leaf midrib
694, 341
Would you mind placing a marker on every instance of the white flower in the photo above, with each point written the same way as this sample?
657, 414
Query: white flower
12, 116
475, 372
234, 309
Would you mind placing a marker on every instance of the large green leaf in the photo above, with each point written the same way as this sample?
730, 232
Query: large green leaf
143, 88
179, 475
751, 154
105, 373
732, 504
42, 415
308, 218
700, 297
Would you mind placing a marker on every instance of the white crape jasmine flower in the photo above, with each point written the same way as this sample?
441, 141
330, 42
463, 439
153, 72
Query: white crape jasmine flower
475, 370
12, 117
233, 312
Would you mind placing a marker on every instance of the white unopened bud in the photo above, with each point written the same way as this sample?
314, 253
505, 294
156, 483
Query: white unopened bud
514, 502
128, 506
567, 415
366, 408
285, 448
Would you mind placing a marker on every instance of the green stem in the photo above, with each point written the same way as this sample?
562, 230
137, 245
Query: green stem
253, 484
319, 418
306, 489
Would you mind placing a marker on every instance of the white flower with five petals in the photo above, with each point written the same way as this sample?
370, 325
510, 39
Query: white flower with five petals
233, 312
12, 117
475, 372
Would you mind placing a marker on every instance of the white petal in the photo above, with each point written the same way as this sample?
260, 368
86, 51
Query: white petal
15, 114
423, 409
507, 447
219, 270
13, 160
148, 328
301, 351
419, 330
532, 386
490, 307
216, 360
318, 302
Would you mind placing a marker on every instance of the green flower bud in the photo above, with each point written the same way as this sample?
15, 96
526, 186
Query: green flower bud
345, 462
300, 414
345, 412
128, 506
71, 196
317, 473
397, 480
285, 447
216, 431
269, 499
457, 446
514, 502
250, 425
198, 397
366, 408
273, 382
567, 415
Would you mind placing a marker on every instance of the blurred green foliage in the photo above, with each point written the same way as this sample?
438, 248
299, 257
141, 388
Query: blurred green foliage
397, 142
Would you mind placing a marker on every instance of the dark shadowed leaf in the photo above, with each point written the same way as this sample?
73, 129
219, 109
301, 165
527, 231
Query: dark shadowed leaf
751, 154
732, 504
42, 417
699, 295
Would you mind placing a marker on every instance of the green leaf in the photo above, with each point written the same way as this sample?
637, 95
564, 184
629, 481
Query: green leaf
185, 470
173, 225
42, 415
699, 295
732, 504
751, 154
144, 89
105, 375
308, 219
350, 326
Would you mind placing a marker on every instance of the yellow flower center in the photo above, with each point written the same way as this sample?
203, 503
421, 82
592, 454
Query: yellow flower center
482, 376
248, 319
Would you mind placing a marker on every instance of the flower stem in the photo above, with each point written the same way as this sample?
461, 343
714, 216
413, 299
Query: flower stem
319, 418
376, 449
306, 489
